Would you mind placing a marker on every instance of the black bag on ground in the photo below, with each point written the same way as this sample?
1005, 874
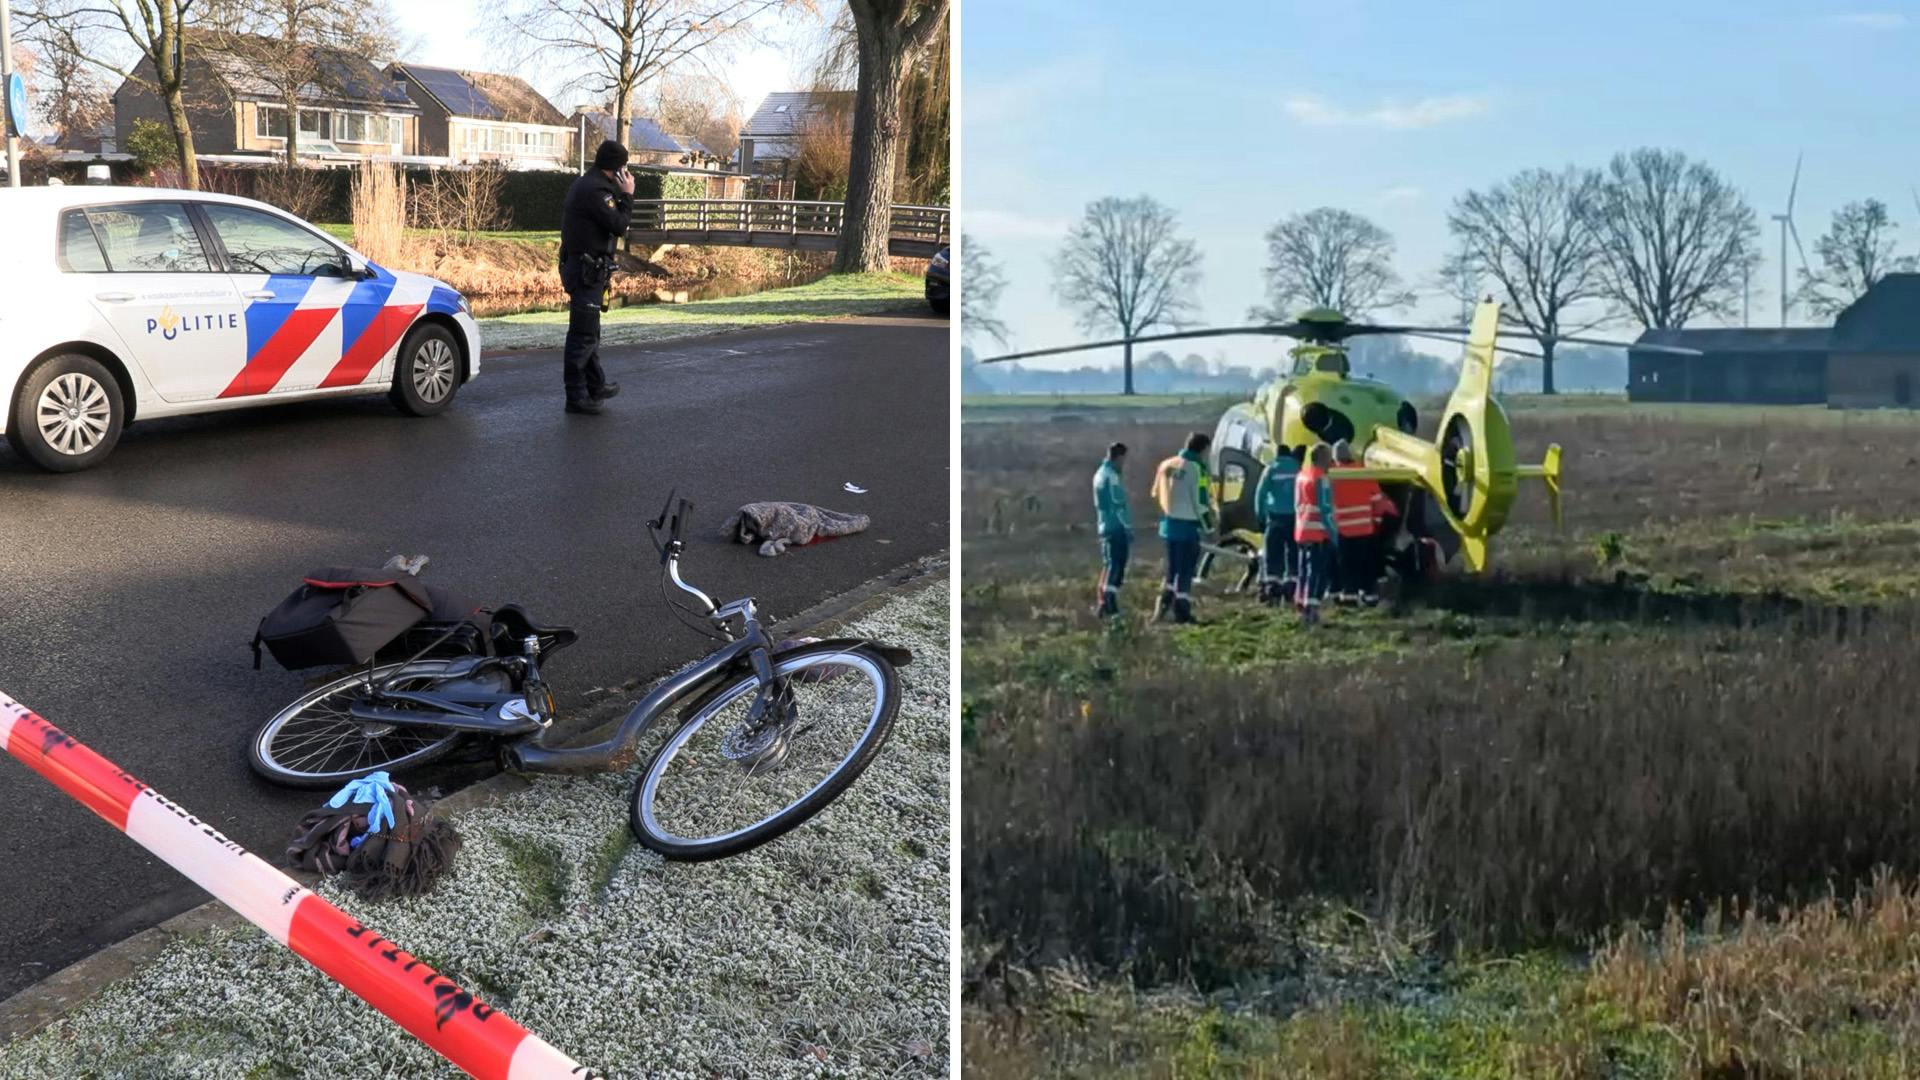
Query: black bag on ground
341, 616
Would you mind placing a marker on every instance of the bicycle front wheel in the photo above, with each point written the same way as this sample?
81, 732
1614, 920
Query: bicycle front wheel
728, 781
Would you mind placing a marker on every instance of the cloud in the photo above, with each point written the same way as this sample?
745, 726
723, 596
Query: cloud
1400, 194
1010, 225
1873, 20
1427, 112
1026, 97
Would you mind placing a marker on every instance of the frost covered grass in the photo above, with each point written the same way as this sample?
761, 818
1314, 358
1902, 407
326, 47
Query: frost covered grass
835, 297
824, 953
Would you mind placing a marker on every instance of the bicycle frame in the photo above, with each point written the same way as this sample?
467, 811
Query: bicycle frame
618, 752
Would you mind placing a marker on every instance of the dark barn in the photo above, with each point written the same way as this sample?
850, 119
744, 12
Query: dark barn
1754, 366
1875, 359
1869, 358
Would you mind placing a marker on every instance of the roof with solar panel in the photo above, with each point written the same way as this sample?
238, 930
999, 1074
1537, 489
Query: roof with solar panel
483, 95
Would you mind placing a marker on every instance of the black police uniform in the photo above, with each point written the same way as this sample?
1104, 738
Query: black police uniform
593, 219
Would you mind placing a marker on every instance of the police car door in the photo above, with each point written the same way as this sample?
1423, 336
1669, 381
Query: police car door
154, 280
302, 299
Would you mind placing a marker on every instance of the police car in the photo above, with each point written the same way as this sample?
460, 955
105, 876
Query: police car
119, 304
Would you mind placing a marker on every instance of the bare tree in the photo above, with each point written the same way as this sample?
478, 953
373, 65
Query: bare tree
700, 105
1675, 239
981, 283
1123, 268
156, 30
823, 155
1855, 252
299, 47
890, 35
1459, 280
620, 46
1533, 237
1330, 258
72, 98
923, 168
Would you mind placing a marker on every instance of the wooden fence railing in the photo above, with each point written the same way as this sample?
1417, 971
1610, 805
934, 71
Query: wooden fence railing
792, 217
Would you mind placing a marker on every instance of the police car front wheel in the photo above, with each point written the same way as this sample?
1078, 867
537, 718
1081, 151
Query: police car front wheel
427, 372
66, 414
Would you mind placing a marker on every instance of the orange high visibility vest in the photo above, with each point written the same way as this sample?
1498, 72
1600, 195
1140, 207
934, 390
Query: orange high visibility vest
1353, 504
1308, 526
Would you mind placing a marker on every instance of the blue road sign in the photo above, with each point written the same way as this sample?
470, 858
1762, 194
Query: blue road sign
16, 104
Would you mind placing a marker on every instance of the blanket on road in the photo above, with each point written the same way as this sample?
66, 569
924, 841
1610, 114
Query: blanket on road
775, 525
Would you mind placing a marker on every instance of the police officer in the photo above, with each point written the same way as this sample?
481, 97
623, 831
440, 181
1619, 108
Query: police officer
592, 221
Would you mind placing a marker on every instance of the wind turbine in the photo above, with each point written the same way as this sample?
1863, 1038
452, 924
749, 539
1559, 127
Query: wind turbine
1786, 227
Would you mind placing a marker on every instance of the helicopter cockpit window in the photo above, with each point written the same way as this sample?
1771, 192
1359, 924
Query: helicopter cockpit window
1252, 436
1331, 362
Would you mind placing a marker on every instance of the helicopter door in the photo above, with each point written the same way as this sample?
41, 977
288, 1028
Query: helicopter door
1238, 478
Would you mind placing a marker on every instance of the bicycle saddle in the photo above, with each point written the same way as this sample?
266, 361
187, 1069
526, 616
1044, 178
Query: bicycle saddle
511, 623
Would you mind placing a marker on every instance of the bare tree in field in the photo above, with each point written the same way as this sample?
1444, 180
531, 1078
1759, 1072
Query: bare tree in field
620, 46
1533, 237
1330, 258
101, 30
981, 283
1123, 268
1459, 280
891, 35
295, 46
1675, 238
1855, 252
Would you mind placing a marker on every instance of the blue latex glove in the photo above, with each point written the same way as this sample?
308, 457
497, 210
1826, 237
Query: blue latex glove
371, 788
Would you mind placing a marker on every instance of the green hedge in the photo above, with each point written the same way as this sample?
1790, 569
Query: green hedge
531, 200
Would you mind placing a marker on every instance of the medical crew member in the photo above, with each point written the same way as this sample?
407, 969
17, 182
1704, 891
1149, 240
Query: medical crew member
1116, 527
1183, 489
1313, 530
1273, 506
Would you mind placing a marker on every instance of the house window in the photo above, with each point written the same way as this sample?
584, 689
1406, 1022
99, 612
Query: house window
779, 108
313, 123
353, 127
270, 121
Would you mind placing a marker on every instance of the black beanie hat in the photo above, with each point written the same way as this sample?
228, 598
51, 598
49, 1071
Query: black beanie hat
611, 155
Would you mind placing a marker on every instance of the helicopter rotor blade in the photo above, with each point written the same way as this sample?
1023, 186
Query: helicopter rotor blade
1457, 341
1277, 329
1459, 333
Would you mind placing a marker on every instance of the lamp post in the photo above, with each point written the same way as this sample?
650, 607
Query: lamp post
582, 109
6, 92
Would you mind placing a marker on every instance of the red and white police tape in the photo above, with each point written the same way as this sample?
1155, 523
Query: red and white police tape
464, 1030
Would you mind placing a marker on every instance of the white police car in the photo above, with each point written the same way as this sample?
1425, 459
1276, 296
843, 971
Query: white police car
119, 304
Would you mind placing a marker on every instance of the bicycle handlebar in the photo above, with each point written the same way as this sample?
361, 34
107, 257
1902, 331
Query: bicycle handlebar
673, 518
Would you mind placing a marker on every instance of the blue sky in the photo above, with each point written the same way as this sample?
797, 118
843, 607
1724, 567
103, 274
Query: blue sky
1237, 114
452, 33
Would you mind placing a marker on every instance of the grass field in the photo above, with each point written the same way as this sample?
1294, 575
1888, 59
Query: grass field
1639, 803
835, 297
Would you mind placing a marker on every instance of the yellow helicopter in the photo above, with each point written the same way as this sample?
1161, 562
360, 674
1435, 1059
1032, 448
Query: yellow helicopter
1455, 490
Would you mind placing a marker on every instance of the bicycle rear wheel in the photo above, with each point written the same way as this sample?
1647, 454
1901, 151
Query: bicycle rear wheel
316, 743
723, 784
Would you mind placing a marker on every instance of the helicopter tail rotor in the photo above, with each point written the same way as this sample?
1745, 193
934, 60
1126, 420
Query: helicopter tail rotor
1549, 471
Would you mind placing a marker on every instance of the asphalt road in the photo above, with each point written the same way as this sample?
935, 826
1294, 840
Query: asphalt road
128, 594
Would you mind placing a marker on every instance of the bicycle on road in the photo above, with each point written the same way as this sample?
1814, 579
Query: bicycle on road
765, 736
